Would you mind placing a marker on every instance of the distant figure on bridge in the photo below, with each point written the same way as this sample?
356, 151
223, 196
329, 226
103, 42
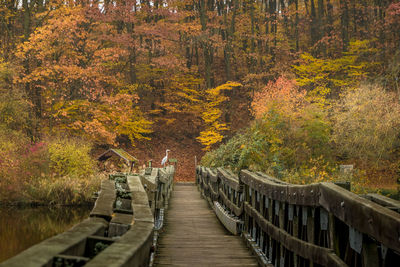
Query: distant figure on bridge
164, 160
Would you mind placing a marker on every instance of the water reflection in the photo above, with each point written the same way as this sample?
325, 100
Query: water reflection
21, 228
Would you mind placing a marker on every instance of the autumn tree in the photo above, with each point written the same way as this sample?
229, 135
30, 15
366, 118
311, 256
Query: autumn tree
80, 60
211, 115
76, 80
327, 78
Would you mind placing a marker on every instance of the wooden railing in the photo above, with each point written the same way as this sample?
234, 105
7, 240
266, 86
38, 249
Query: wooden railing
303, 225
122, 229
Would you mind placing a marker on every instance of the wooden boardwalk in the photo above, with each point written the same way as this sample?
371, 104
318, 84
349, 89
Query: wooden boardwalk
193, 236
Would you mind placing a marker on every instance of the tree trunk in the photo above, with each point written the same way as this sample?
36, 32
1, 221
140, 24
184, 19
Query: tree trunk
297, 25
27, 19
314, 25
345, 24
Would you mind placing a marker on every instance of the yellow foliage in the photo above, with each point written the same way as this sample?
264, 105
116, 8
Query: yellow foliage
71, 157
324, 77
212, 113
183, 94
104, 120
367, 124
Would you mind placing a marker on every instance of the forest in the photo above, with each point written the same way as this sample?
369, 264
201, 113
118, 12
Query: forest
293, 88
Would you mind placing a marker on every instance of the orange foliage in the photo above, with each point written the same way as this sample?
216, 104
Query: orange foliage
283, 94
76, 77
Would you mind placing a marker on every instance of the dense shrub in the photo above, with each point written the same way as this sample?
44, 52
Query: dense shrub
55, 171
278, 143
11, 146
71, 157
64, 190
282, 94
367, 124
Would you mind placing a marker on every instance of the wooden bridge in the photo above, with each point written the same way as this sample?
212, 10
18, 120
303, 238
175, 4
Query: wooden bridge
225, 220
193, 236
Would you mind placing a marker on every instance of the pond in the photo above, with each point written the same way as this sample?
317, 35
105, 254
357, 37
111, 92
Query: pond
21, 228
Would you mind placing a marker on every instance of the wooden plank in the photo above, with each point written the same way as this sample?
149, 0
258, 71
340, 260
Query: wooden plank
306, 195
272, 179
235, 209
213, 175
229, 178
230, 223
104, 205
384, 201
193, 236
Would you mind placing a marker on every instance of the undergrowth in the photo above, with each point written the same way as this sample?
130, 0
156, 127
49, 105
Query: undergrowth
301, 142
54, 171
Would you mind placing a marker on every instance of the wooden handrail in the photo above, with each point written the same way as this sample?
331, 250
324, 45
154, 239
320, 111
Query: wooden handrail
320, 223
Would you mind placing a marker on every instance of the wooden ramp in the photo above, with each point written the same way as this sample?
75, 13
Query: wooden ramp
193, 236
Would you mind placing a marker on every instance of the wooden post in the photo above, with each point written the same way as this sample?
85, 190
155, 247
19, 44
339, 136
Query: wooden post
270, 215
334, 235
369, 253
311, 229
296, 211
282, 254
246, 199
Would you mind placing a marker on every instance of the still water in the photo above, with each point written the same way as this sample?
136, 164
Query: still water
20, 228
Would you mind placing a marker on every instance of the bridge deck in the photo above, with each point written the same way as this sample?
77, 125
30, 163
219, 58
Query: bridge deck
193, 236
